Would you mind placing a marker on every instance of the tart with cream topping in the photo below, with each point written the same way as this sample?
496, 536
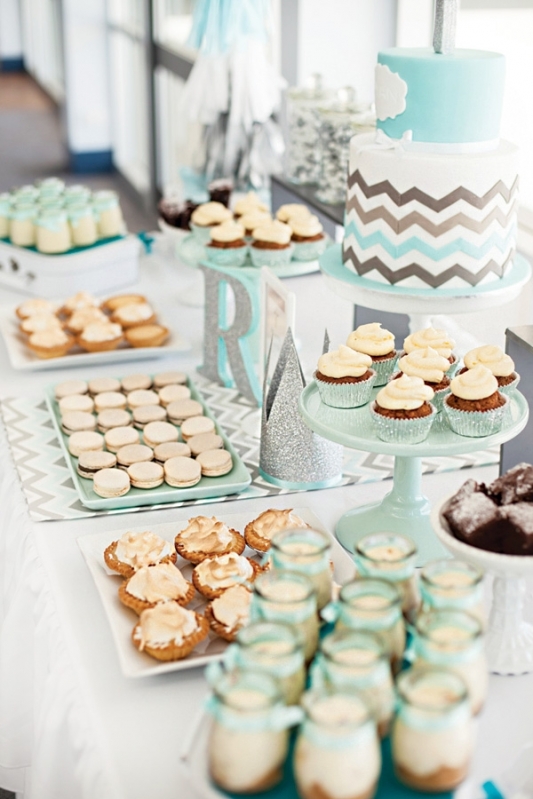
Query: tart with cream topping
213, 576
134, 550
150, 585
39, 322
51, 343
169, 632
138, 313
345, 378
260, 532
494, 358
100, 336
204, 537
35, 306
229, 612
373, 340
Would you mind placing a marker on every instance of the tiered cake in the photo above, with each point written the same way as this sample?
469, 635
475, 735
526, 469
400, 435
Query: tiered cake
432, 196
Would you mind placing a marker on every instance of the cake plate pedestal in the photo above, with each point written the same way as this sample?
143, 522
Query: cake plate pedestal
405, 509
421, 304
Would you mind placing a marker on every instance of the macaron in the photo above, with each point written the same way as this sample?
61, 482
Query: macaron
133, 453
146, 474
182, 472
180, 410
159, 433
107, 420
171, 449
215, 462
92, 461
195, 426
204, 442
111, 483
119, 437
76, 402
109, 400
101, 385
169, 378
136, 382
145, 414
75, 421
69, 387
142, 397
172, 393
84, 442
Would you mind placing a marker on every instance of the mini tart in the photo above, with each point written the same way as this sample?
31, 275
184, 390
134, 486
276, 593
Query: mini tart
37, 323
218, 627
97, 344
35, 306
173, 650
134, 315
208, 527
138, 605
271, 521
51, 343
125, 569
212, 593
147, 335
114, 303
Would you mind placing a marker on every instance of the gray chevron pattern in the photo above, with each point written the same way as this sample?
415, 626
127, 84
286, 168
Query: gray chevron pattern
51, 494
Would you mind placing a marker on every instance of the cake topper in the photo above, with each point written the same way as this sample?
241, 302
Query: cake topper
445, 25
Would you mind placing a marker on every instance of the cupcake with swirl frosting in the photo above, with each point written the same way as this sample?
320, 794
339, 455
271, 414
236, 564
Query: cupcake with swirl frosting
205, 217
227, 246
500, 364
475, 407
373, 340
307, 237
431, 367
435, 338
271, 244
345, 378
402, 411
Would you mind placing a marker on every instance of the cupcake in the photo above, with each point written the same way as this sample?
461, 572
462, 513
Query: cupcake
379, 344
249, 203
153, 584
307, 237
438, 340
402, 411
213, 576
291, 210
50, 343
431, 367
100, 337
500, 364
227, 246
345, 378
260, 532
206, 537
271, 244
207, 216
229, 612
133, 550
475, 407
169, 632
254, 219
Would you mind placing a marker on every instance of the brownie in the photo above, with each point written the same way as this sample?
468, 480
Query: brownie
474, 518
177, 214
516, 485
220, 191
518, 538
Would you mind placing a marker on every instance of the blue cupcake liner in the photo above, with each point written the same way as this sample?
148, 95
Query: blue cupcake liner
232, 256
511, 387
273, 257
476, 424
402, 431
385, 369
439, 397
346, 395
309, 250
202, 233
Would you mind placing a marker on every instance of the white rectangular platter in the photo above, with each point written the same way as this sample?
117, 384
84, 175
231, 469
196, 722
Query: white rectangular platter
23, 359
122, 620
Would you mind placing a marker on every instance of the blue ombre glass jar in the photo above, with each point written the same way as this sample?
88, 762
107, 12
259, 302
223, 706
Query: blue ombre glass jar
307, 552
391, 557
454, 584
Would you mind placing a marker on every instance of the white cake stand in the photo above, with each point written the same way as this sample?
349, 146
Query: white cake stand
509, 640
404, 509
421, 304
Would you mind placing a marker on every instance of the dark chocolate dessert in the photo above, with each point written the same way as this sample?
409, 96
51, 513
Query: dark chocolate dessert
175, 213
220, 191
516, 485
474, 518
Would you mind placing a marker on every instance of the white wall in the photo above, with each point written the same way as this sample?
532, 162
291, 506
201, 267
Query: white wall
10, 32
341, 38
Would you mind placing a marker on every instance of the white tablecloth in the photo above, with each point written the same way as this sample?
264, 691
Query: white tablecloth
71, 726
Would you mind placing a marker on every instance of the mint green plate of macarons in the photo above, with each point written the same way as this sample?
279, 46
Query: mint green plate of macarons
234, 481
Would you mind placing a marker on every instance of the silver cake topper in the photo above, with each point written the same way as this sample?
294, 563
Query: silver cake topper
445, 25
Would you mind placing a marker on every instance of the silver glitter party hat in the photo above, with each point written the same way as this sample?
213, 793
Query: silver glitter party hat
291, 455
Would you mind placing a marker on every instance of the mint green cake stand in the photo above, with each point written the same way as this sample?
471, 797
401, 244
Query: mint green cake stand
405, 509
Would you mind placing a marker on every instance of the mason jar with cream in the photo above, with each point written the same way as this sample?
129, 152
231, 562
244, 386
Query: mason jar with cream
82, 225
453, 639
5, 209
108, 214
52, 232
453, 584
337, 753
350, 660
433, 734
22, 224
391, 557
275, 648
308, 552
249, 738
288, 597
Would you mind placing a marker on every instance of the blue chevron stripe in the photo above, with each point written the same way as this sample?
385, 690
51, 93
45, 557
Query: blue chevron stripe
435, 253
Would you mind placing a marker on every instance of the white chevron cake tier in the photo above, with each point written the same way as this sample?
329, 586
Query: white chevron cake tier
426, 219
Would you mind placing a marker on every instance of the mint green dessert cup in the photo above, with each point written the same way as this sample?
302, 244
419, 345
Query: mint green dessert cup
226, 256
402, 431
476, 424
346, 395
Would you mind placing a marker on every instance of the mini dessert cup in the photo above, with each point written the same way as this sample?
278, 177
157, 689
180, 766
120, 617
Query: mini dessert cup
227, 256
403, 431
347, 392
475, 424
271, 244
271, 257
309, 250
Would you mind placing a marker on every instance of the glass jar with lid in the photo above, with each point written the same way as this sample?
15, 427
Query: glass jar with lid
433, 735
249, 738
5, 209
302, 160
337, 753
82, 224
450, 583
22, 224
453, 639
338, 121
391, 557
52, 232
357, 660
308, 552
288, 596
108, 214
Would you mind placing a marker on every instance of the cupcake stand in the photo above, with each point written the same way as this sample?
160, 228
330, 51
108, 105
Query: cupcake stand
404, 509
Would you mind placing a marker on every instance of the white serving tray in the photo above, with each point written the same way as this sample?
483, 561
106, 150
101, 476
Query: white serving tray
122, 620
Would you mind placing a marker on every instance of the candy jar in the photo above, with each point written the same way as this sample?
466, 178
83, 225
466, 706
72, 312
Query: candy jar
302, 164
